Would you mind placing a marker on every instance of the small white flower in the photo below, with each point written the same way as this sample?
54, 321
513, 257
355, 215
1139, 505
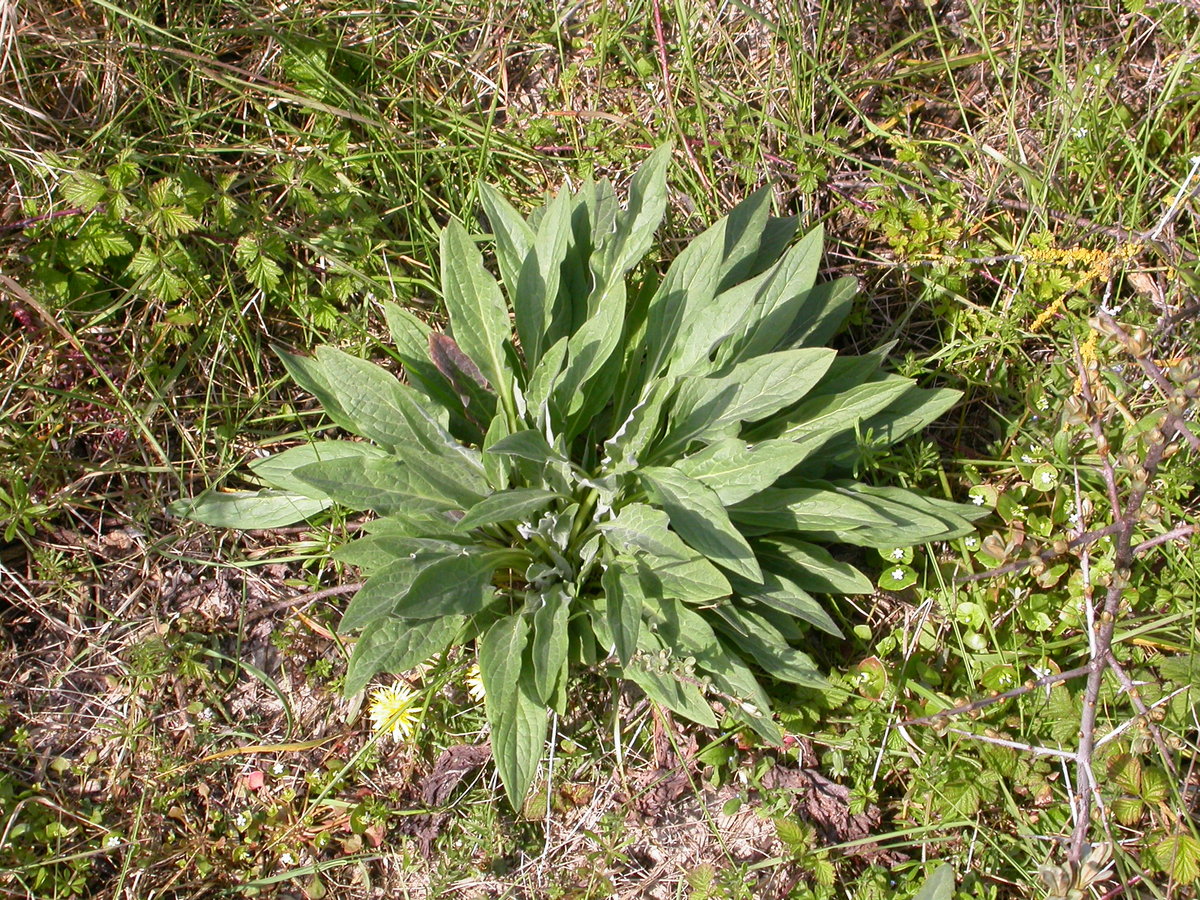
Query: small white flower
277, 769
977, 499
1081, 132
897, 574
898, 553
241, 821
287, 859
1026, 458
113, 840
971, 541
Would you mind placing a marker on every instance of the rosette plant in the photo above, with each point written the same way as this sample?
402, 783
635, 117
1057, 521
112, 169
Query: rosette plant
599, 463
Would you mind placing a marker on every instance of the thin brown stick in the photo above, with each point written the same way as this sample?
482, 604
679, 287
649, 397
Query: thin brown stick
1181, 531
1019, 691
1043, 556
300, 599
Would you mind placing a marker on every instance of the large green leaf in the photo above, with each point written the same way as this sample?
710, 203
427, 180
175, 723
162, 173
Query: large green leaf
587, 351
781, 593
735, 470
478, 316
394, 563
249, 510
641, 531
699, 518
652, 672
278, 470
754, 634
396, 645
455, 585
389, 484
411, 337
517, 717
548, 648
361, 397
767, 306
527, 444
713, 260
811, 567
623, 602
685, 630
836, 414
537, 284
512, 234
805, 509
516, 505
633, 234
822, 310
752, 390
371, 552
643, 424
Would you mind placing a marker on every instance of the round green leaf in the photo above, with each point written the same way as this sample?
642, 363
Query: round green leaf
897, 578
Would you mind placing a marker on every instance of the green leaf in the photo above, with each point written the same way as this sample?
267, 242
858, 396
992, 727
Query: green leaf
805, 509
98, 242
821, 312
359, 396
686, 631
517, 717
85, 190
513, 236
455, 585
752, 390
536, 288
633, 234
249, 510
735, 470
543, 381
411, 337
763, 308
811, 567
781, 593
397, 646
261, 270
711, 262
1179, 856
623, 603
897, 577
528, 444
549, 645
907, 518
390, 584
831, 414
387, 485
371, 552
278, 470
938, 886
662, 686
640, 427
516, 505
642, 532
700, 520
755, 635
478, 316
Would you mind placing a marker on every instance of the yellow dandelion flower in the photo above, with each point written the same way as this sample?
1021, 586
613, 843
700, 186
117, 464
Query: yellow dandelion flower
395, 709
475, 684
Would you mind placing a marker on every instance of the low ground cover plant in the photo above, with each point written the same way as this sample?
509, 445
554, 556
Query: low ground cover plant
646, 472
